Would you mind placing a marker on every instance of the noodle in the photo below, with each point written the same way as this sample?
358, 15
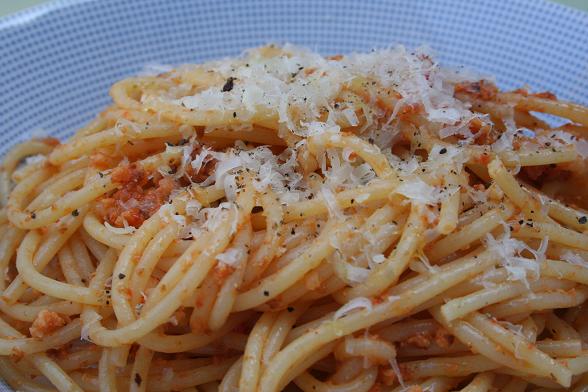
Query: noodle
368, 222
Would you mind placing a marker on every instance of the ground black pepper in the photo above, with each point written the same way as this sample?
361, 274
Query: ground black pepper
228, 85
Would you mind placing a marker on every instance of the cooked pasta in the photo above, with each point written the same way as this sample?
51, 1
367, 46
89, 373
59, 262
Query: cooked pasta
283, 220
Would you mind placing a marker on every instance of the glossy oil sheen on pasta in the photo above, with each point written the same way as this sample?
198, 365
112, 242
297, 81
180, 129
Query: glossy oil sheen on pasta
282, 220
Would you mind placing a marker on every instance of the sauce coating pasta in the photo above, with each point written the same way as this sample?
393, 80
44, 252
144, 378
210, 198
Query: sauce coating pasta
283, 220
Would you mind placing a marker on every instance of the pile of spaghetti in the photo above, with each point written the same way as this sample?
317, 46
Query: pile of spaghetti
286, 221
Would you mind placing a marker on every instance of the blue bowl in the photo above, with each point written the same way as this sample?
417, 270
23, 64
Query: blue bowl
58, 60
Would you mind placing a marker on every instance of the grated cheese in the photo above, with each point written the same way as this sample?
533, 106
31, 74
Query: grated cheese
354, 304
120, 230
298, 85
574, 258
85, 331
201, 158
379, 258
193, 207
331, 202
396, 369
357, 274
32, 159
153, 69
417, 190
232, 256
509, 250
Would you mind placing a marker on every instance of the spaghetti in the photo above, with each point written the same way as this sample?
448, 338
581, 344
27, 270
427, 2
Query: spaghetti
281, 220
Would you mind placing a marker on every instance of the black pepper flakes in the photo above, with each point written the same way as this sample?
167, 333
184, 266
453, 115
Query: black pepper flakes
582, 220
290, 309
228, 85
121, 276
33, 215
138, 379
443, 150
75, 213
266, 293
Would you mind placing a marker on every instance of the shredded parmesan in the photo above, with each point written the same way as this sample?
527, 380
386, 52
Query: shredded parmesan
85, 332
574, 258
193, 207
152, 69
120, 230
35, 159
417, 190
354, 304
303, 82
352, 274
582, 148
379, 258
231, 257
168, 375
331, 202
509, 250
396, 369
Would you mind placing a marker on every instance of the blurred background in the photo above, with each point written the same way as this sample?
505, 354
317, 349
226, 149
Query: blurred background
9, 6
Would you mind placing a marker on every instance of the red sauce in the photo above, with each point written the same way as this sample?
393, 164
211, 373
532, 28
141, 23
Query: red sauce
50, 141
46, 323
483, 158
101, 161
137, 199
389, 377
420, 340
409, 110
545, 95
443, 338
484, 90
545, 173
222, 272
